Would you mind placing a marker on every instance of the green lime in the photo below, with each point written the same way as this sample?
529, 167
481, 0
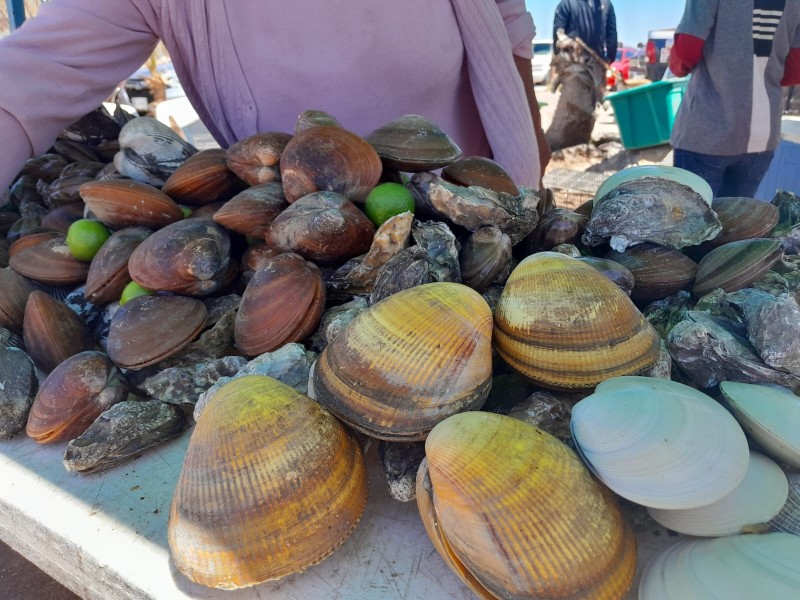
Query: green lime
187, 212
387, 200
84, 238
133, 290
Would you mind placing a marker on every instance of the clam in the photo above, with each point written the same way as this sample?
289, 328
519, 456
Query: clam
252, 211
7, 219
788, 519
25, 227
202, 179
46, 167
14, 296
73, 395
108, 271
82, 169
150, 151
413, 143
255, 159
757, 499
491, 495
660, 443
484, 257
480, 171
616, 273
328, 158
324, 227
148, 329
122, 203
189, 257
64, 190
556, 226
658, 271
75, 151
283, 303
245, 511
770, 416
45, 258
255, 256
314, 118
736, 265
743, 218
59, 219
408, 362
52, 332
19, 385
93, 128
735, 567
563, 325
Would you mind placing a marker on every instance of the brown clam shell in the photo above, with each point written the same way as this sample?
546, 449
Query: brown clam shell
408, 362
484, 256
250, 212
256, 256
324, 227
120, 203
148, 329
52, 332
14, 292
413, 143
46, 258
7, 219
658, 271
203, 178
480, 171
188, 257
614, 271
255, 159
108, 271
735, 265
65, 190
45, 166
73, 395
743, 218
314, 118
556, 226
563, 325
283, 303
328, 158
59, 219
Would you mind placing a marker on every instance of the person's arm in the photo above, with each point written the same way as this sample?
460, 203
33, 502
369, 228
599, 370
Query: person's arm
699, 18
611, 35
62, 64
560, 21
524, 69
791, 69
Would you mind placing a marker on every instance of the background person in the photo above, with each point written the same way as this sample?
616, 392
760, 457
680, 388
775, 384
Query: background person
593, 21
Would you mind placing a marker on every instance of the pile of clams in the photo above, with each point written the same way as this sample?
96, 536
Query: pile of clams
645, 346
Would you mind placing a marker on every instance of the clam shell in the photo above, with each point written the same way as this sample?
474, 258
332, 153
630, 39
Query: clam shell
314, 118
408, 362
283, 303
770, 416
73, 395
658, 271
46, 167
150, 151
252, 211
52, 332
82, 169
59, 219
556, 226
75, 151
148, 329
243, 511
736, 265
759, 497
413, 143
92, 128
202, 179
736, 567
675, 174
64, 190
497, 515
480, 171
564, 325
660, 443
328, 158
18, 376
614, 271
324, 227
189, 257
45, 258
108, 271
484, 257
120, 203
255, 159
743, 218
255, 256
14, 296
788, 519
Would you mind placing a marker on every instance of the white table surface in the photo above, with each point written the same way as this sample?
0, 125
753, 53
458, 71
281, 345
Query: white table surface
104, 535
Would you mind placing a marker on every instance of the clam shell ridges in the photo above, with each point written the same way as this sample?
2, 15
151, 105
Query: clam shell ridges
408, 362
271, 484
501, 511
564, 325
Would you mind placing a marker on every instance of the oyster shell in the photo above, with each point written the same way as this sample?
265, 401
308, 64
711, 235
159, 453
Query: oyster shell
400, 465
441, 247
405, 270
18, 386
183, 385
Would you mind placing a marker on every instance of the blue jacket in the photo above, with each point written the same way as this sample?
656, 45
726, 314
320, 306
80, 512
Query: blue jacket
591, 20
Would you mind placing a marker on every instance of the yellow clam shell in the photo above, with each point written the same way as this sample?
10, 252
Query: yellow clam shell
516, 514
564, 325
408, 362
271, 484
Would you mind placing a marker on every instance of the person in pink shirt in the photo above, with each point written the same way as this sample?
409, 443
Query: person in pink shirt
253, 65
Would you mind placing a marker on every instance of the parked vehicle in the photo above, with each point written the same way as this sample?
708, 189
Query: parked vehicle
540, 63
629, 64
659, 44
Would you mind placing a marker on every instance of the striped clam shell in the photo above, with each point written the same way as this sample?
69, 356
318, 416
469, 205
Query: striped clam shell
150, 151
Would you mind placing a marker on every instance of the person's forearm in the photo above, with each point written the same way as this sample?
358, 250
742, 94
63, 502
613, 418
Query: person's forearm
17, 149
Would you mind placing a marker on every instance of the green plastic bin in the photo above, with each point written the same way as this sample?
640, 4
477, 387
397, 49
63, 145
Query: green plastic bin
645, 114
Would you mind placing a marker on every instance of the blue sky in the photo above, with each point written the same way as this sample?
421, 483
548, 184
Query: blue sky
634, 17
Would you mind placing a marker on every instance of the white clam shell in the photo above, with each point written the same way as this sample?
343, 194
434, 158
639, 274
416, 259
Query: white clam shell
770, 416
759, 497
687, 178
741, 567
788, 519
660, 443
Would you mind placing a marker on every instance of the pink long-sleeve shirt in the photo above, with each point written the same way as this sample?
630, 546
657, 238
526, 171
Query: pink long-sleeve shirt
251, 66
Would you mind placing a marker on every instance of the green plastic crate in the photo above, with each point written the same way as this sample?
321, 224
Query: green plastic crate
645, 114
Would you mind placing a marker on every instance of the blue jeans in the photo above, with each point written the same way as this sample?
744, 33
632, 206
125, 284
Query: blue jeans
728, 176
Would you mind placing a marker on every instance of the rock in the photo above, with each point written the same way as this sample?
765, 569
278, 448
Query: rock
18, 386
400, 463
